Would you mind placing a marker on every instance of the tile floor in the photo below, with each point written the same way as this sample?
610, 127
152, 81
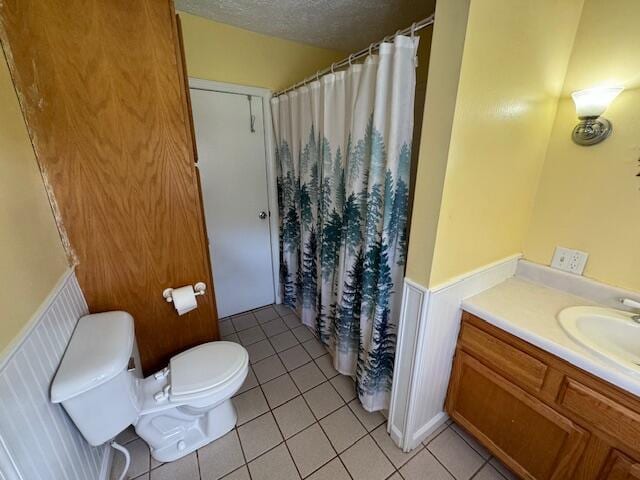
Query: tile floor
297, 418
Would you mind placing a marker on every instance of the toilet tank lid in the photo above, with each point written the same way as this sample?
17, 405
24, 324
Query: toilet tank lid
98, 351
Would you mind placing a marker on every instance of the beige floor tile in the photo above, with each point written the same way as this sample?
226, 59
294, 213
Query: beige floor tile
244, 321
307, 376
231, 338
325, 363
365, 461
370, 420
345, 386
391, 450
265, 314
488, 473
434, 434
280, 390
302, 333
294, 357
395, 476
500, 467
220, 457
334, 470
250, 405
274, 327
323, 400
455, 454
283, 341
249, 382
144, 476
259, 435
283, 310
275, 464
424, 466
268, 369
293, 417
314, 348
240, 474
343, 428
260, 350
140, 460
155, 463
185, 468
251, 335
310, 449
291, 320
226, 327
484, 453
127, 435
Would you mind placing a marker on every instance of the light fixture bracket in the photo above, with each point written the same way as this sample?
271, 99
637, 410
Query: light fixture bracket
591, 130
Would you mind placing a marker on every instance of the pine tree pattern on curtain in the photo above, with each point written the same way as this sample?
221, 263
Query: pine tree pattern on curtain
343, 154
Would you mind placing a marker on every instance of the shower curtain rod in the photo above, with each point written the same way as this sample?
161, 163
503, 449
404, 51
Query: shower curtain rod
419, 25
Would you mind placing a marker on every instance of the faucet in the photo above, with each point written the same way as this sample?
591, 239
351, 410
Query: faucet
634, 305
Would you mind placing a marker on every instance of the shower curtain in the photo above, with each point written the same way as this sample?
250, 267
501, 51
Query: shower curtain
343, 154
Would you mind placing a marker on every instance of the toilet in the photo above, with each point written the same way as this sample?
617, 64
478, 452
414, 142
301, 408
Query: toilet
176, 410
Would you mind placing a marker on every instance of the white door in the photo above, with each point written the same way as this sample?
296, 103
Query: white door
233, 176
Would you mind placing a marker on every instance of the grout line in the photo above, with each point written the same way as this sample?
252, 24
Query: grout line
198, 463
244, 456
479, 469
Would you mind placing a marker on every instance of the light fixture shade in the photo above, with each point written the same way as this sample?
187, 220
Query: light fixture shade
592, 102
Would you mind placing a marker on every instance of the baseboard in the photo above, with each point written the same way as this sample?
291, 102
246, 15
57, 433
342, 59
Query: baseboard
427, 335
107, 461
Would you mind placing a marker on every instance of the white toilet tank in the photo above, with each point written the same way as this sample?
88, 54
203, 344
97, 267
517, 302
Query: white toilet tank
93, 382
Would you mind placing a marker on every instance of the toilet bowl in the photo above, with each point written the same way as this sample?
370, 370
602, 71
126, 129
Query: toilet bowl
176, 410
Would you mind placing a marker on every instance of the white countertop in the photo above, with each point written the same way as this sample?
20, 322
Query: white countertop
528, 310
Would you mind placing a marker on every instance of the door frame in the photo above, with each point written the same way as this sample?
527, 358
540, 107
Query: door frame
270, 156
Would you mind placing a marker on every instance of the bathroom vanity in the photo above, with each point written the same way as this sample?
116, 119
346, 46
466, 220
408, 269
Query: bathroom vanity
542, 403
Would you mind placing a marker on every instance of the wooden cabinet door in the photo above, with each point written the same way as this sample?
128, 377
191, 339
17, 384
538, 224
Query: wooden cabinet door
103, 94
529, 437
620, 467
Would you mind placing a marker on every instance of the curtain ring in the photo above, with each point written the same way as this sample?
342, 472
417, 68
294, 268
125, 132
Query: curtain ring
332, 67
351, 55
413, 30
370, 49
317, 75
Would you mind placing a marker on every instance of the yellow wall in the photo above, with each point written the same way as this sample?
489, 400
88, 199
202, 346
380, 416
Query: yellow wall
31, 255
215, 51
447, 44
513, 67
589, 197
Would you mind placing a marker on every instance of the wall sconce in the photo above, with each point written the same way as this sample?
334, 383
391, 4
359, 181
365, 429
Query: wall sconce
590, 104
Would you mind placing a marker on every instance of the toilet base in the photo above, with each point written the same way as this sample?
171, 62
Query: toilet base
174, 433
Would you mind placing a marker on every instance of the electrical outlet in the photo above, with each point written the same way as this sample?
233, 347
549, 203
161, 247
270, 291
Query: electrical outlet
572, 261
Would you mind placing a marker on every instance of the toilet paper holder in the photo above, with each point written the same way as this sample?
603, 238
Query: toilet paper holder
198, 289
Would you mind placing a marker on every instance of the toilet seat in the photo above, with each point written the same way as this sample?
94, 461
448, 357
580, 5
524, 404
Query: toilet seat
203, 370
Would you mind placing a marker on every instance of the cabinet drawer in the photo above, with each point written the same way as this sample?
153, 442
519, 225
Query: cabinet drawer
516, 365
601, 411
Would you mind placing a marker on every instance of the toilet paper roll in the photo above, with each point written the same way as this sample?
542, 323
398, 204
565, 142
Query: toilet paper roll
184, 299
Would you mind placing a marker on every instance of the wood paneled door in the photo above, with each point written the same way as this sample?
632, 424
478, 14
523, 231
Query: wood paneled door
103, 92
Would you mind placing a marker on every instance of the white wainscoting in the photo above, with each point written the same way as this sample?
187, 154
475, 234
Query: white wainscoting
37, 438
429, 325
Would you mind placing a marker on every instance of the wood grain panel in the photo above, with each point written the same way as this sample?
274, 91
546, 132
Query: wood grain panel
529, 437
102, 90
620, 467
601, 411
518, 366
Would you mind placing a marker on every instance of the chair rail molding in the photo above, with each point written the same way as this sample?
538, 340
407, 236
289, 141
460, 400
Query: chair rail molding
427, 335
37, 439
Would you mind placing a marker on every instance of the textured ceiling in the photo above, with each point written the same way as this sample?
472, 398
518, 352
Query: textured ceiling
346, 25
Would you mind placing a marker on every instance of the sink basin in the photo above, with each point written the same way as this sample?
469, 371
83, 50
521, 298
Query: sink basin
610, 333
